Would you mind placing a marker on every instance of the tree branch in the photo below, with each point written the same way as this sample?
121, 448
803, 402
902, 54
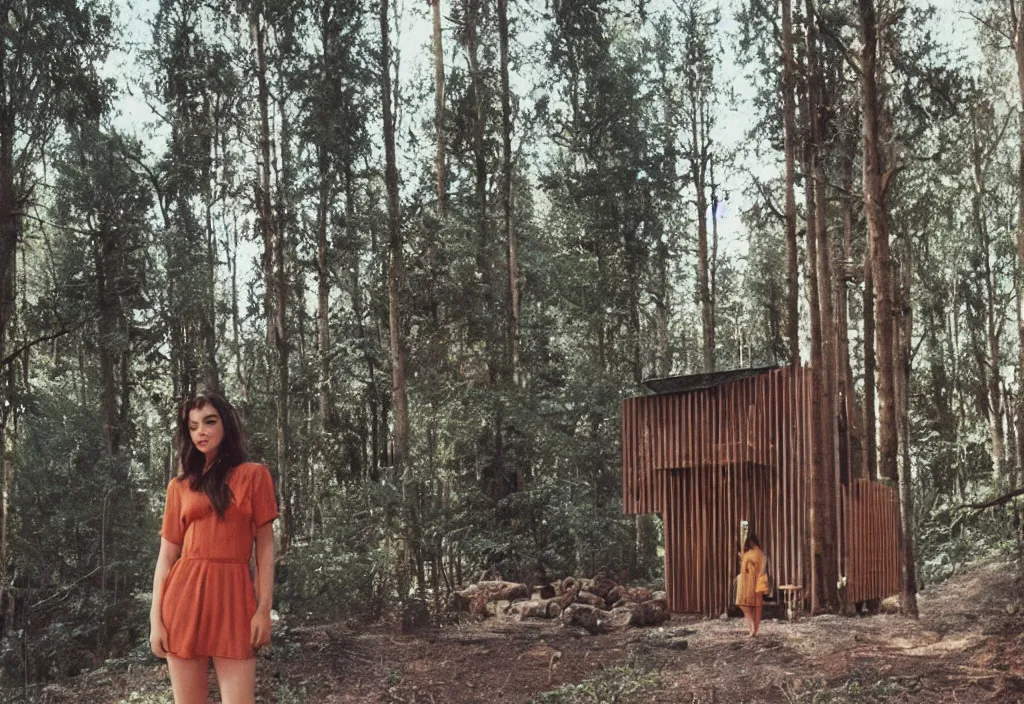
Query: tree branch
997, 501
988, 25
45, 338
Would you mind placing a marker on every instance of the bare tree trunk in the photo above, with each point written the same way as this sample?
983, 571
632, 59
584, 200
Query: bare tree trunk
698, 168
903, 327
106, 328
208, 319
327, 416
878, 228
662, 305
439, 164
1017, 32
994, 362
396, 267
847, 404
819, 509
827, 489
273, 275
789, 142
507, 194
870, 430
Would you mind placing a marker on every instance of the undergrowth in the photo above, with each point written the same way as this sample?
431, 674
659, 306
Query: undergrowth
617, 685
859, 688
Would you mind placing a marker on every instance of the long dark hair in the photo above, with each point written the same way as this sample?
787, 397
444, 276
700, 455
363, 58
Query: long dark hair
751, 541
230, 453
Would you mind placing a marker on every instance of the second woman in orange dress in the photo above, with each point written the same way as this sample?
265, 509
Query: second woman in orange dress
752, 564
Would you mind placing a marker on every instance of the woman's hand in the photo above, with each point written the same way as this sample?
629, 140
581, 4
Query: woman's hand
260, 628
158, 639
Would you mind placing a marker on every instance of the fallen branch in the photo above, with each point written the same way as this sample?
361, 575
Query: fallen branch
997, 501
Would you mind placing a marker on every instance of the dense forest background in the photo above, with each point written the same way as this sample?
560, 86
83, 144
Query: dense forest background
428, 289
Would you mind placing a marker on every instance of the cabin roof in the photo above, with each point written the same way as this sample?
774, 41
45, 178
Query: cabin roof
696, 382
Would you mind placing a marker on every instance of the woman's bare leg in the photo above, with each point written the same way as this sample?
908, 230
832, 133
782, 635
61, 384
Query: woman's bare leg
757, 619
236, 679
188, 679
748, 616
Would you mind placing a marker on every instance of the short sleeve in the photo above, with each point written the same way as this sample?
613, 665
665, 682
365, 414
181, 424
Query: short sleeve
264, 502
173, 529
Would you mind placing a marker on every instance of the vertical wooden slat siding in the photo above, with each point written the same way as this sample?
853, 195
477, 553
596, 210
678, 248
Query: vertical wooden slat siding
871, 557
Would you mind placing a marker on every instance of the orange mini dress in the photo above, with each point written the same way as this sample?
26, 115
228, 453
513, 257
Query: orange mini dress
208, 597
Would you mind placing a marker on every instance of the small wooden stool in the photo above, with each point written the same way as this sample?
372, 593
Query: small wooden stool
792, 595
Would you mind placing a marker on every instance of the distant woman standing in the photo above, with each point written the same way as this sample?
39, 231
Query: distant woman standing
748, 598
205, 604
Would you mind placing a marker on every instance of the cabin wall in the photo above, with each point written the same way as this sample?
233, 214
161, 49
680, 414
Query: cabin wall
708, 459
870, 527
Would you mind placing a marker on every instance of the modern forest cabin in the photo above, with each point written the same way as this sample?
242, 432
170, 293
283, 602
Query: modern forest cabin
710, 450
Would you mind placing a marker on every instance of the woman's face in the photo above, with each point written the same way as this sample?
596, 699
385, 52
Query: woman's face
206, 429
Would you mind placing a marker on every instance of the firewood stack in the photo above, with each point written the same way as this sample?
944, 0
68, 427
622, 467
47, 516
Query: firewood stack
597, 605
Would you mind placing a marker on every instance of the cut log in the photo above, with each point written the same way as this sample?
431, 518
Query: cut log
547, 608
504, 591
591, 599
568, 595
627, 595
650, 613
620, 618
590, 619
601, 586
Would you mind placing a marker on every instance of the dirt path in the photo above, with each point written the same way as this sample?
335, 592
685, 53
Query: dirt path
968, 646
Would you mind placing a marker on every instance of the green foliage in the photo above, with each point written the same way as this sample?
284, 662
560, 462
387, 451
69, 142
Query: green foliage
621, 685
860, 688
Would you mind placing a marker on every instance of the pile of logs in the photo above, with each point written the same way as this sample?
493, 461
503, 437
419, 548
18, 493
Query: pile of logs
598, 605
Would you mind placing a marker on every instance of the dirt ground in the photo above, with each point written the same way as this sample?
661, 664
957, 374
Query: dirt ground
968, 646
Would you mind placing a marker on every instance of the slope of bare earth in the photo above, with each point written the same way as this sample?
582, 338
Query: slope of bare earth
968, 646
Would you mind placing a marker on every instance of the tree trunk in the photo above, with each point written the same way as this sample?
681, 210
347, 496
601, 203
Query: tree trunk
847, 404
106, 330
507, 193
275, 293
396, 269
698, 168
903, 327
789, 142
1018, 45
878, 229
439, 163
994, 362
323, 296
870, 429
826, 496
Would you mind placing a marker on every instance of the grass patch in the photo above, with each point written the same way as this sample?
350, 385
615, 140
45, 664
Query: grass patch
617, 685
859, 688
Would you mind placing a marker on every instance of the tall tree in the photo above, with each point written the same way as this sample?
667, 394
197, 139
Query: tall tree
439, 106
508, 204
396, 266
273, 266
700, 65
790, 139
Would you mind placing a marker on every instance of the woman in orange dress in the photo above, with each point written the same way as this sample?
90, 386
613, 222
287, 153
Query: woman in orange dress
752, 562
205, 604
